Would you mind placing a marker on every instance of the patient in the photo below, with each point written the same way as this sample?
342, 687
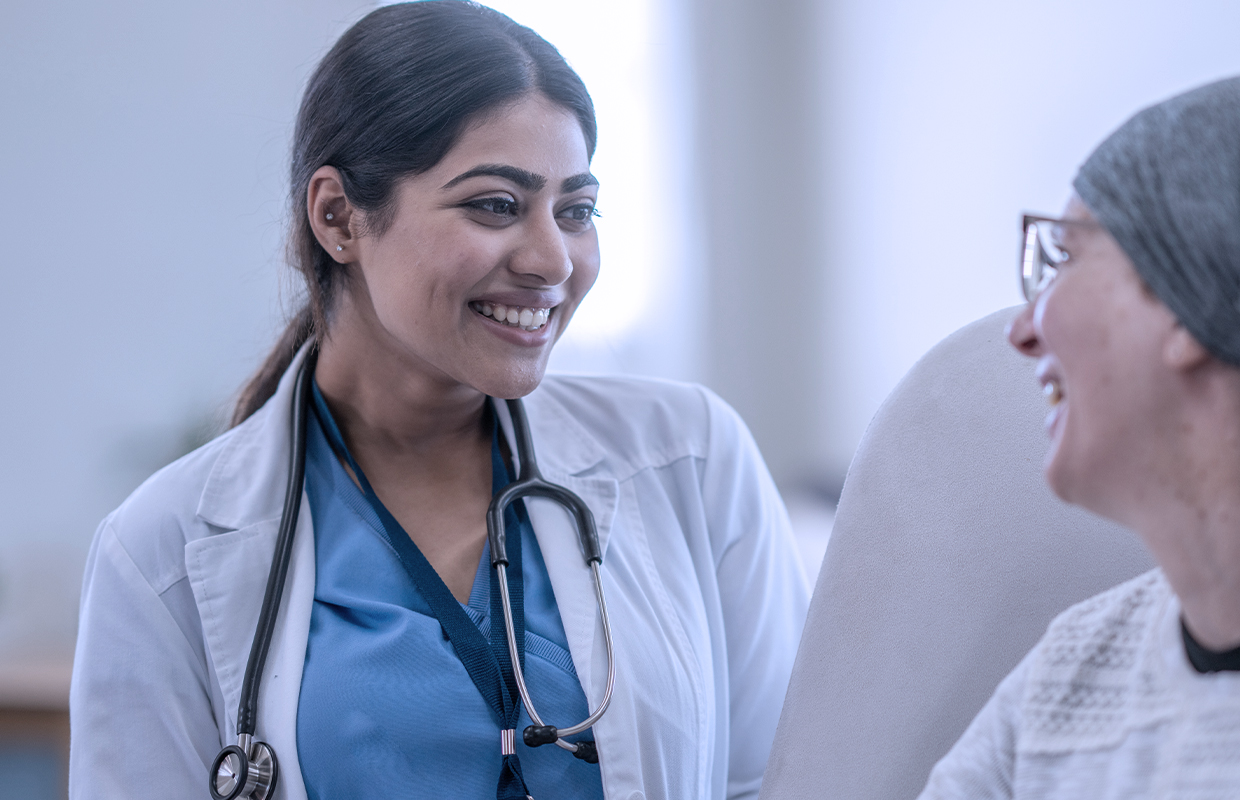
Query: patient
1134, 318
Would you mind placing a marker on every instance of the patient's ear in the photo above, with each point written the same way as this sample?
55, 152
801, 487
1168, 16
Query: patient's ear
1183, 352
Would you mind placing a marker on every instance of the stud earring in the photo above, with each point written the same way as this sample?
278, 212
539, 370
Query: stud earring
330, 215
339, 248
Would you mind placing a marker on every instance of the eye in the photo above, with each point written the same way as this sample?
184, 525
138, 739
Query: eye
504, 207
580, 215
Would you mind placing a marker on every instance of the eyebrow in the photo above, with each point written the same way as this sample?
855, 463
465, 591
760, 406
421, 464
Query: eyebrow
578, 182
530, 181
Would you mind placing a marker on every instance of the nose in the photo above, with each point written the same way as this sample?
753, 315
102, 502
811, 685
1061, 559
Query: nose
542, 255
1022, 333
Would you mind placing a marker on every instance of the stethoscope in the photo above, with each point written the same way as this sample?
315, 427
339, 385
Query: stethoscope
249, 769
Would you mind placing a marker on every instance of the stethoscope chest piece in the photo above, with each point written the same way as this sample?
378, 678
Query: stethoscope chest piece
240, 775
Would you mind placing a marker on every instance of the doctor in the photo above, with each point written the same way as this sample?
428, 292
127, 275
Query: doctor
443, 214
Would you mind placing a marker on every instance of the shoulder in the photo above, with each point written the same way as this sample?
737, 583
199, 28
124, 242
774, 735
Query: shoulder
158, 518
1121, 608
1105, 632
641, 421
1093, 667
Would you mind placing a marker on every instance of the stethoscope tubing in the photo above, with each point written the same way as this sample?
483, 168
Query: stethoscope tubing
530, 483
247, 713
510, 633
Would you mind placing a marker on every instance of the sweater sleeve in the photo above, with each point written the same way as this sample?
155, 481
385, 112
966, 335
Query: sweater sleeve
763, 590
982, 764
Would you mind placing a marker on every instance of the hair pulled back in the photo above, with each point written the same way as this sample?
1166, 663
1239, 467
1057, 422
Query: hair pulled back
388, 101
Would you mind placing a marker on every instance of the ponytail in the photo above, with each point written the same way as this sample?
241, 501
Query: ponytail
262, 385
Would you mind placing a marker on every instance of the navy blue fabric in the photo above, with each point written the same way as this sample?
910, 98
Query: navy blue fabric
387, 706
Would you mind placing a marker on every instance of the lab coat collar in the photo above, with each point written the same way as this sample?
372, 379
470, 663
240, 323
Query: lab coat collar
247, 483
562, 444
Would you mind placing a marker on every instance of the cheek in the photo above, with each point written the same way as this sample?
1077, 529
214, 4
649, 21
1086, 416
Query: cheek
419, 280
1072, 322
586, 261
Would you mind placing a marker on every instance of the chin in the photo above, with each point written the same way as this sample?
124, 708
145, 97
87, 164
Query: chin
513, 383
1081, 481
1054, 472
1057, 467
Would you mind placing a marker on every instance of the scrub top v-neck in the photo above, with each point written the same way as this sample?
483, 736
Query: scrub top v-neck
387, 709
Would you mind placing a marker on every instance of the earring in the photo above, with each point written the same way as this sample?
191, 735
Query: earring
329, 215
339, 248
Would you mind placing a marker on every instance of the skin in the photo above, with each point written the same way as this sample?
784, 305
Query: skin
407, 362
1148, 429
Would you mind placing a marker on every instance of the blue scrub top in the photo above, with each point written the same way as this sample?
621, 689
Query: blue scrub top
386, 707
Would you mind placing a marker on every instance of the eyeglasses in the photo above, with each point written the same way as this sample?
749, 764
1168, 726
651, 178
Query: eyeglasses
1041, 253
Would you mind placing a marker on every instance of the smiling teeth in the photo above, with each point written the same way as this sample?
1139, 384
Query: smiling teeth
527, 319
1052, 392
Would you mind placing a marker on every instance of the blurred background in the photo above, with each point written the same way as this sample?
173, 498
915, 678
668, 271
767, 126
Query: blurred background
800, 197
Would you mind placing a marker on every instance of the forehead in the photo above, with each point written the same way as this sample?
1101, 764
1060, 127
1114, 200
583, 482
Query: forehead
532, 133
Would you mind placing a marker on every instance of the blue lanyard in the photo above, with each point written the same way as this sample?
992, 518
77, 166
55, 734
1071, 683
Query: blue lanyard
487, 663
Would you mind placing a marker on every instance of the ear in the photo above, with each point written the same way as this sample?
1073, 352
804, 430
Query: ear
332, 215
1182, 352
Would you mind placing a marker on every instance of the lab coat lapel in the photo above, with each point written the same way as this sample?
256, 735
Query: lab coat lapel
228, 574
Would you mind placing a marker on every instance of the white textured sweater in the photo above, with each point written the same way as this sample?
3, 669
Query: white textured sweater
1105, 706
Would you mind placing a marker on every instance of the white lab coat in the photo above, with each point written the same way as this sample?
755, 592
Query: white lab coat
705, 592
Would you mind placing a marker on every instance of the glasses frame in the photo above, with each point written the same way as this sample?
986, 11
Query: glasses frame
1036, 266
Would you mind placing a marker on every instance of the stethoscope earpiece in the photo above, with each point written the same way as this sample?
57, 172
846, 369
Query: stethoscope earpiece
240, 775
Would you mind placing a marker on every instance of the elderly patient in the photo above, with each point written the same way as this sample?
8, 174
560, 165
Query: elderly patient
1134, 318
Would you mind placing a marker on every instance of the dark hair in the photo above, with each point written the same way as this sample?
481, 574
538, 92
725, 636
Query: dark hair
388, 101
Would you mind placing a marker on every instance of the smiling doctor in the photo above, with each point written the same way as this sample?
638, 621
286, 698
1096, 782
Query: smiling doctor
444, 224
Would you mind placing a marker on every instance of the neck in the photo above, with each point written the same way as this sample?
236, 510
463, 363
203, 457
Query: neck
1189, 515
388, 403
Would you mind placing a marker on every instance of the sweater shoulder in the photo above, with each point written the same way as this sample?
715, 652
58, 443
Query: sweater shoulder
1095, 671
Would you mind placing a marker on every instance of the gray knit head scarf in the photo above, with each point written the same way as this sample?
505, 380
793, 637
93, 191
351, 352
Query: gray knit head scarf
1166, 185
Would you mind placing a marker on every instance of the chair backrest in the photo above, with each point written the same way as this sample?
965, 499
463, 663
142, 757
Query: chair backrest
949, 557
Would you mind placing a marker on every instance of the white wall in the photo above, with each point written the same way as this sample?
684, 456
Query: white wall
141, 189
946, 119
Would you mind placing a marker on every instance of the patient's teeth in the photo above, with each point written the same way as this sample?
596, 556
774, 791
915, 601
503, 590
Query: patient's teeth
526, 318
500, 312
514, 316
486, 309
540, 319
1053, 392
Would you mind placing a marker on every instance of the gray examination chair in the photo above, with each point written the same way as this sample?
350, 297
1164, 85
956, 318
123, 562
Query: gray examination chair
949, 557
